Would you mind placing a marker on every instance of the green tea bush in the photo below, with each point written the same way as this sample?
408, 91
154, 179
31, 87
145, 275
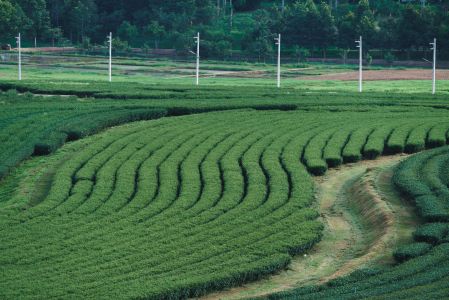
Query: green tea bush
411, 251
432, 233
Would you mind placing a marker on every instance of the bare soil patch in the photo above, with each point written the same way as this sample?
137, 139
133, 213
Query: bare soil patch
373, 75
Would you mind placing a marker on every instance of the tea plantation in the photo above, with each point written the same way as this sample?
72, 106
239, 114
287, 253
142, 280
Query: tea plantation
202, 189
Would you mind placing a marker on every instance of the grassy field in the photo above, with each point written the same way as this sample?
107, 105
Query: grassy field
197, 189
213, 73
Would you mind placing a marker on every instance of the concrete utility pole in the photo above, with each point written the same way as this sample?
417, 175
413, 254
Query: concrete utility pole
278, 42
283, 5
110, 56
434, 65
231, 13
19, 47
360, 46
197, 40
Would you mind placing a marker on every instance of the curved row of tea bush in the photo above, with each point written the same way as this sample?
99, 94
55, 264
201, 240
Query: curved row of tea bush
178, 207
41, 130
218, 198
39, 125
422, 271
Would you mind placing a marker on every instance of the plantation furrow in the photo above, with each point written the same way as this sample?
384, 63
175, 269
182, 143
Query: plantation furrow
352, 152
105, 182
420, 291
437, 136
409, 269
111, 207
79, 168
397, 140
332, 152
313, 152
416, 140
183, 139
375, 145
197, 254
66, 206
181, 206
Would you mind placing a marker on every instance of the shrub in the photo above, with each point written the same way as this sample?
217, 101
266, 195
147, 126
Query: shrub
411, 251
431, 209
317, 167
334, 162
432, 233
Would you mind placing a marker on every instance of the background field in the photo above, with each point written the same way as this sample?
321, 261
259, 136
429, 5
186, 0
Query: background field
304, 76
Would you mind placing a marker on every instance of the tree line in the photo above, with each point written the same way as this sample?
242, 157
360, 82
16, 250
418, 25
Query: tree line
244, 26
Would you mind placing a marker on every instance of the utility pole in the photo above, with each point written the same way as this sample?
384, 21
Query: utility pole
283, 5
434, 65
197, 40
231, 13
278, 43
19, 47
110, 56
360, 46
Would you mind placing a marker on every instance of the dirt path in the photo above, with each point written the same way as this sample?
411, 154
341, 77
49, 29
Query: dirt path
410, 74
364, 220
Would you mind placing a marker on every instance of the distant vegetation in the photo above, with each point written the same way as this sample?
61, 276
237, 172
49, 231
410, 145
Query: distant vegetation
309, 27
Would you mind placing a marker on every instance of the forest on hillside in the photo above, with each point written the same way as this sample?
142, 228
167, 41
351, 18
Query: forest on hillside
247, 26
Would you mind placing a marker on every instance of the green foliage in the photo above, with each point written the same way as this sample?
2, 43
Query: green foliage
418, 278
411, 251
309, 23
313, 25
214, 195
432, 233
9, 18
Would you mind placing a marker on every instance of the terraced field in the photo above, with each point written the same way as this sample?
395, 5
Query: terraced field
181, 206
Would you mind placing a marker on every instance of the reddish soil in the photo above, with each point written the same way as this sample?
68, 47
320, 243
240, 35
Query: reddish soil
412, 74
49, 49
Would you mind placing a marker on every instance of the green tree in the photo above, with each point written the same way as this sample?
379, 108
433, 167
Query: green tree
37, 20
155, 31
414, 27
310, 25
9, 22
80, 18
259, 39
127, 32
